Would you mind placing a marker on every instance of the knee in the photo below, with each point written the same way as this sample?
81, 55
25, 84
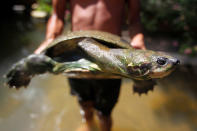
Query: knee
103, 116
86, 105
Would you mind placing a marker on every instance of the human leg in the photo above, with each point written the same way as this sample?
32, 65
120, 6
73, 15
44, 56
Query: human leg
81, 89
87, 111
106, 96
105, 122
102, 94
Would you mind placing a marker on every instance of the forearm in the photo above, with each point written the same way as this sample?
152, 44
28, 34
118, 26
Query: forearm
135, 28
55, 24
55, 27
137, 36
134, 18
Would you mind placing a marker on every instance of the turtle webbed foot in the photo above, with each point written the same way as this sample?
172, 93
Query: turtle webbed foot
18, 76
142, 87
21, 73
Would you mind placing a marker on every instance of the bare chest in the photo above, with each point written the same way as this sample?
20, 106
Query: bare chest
97, 14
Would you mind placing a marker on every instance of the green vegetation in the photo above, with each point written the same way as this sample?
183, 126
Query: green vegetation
44, 5
174, 18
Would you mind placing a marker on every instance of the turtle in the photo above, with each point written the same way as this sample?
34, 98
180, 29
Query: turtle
94, 54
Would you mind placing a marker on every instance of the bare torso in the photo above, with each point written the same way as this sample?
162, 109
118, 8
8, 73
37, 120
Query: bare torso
105, 15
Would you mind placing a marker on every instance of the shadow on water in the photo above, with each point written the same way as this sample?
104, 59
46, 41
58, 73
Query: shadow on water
47, 104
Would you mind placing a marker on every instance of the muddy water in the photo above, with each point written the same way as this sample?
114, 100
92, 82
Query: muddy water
47, 104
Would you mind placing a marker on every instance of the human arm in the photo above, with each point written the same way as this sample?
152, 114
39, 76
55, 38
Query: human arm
135, 29
55, 24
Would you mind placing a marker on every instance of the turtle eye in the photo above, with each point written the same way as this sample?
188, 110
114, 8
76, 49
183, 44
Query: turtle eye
161, 60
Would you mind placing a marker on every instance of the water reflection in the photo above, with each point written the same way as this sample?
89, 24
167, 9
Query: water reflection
47, 104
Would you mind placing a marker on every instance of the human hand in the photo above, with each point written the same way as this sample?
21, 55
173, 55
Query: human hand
43, 45
138, 42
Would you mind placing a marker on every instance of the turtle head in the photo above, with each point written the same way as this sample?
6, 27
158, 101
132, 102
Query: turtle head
162, 64
149, 64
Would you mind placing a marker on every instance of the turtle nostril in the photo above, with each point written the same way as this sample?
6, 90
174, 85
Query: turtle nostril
176, 62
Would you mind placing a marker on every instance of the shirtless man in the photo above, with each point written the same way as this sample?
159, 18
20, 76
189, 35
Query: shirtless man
104, 15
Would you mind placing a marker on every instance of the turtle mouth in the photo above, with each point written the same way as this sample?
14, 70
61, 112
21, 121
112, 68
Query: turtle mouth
140, 74
140, 71
161, 74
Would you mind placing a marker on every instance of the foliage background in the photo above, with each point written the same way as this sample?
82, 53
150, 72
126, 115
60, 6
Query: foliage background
174, 18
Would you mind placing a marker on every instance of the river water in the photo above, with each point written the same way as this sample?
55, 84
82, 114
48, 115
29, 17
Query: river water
47, 104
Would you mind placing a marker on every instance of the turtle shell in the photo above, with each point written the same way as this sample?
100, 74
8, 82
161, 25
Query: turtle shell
69, 41
65, 49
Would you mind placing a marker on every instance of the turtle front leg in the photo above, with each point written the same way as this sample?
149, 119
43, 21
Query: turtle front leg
21, 73
143, 86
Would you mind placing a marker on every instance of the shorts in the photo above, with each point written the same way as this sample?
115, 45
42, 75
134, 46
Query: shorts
102, 92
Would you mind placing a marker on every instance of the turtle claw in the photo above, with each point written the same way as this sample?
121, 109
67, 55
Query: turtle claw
143, 87
142, 90
21, 73
17, 77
